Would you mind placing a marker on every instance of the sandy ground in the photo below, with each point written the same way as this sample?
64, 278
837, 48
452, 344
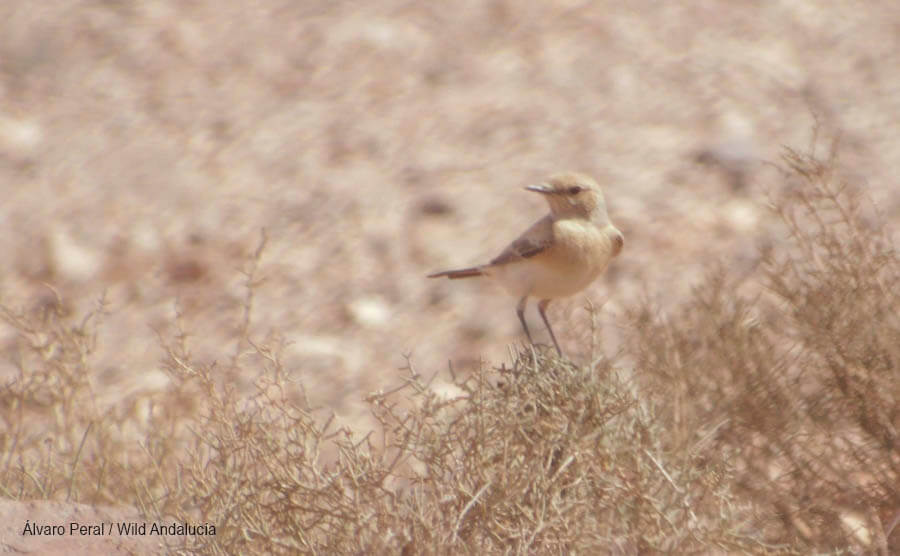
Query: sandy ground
144, 146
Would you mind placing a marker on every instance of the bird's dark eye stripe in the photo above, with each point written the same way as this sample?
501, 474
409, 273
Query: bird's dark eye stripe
574, 190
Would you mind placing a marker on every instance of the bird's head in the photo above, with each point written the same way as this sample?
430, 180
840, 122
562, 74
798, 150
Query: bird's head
573, 194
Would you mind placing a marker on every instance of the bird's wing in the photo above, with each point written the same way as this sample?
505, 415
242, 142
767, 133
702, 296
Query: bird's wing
533, 241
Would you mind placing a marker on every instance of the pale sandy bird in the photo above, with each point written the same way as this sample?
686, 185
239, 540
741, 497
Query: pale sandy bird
560, 254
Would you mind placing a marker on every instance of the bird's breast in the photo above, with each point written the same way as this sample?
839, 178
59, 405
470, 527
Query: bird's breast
583, 247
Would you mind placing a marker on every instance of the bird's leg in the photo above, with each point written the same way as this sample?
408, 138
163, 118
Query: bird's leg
542, 306
520, 310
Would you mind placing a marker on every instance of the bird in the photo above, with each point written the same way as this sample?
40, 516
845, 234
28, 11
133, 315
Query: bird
560, 254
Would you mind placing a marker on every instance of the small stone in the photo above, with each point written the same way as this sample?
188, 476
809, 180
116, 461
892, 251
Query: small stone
370, 311
72, 259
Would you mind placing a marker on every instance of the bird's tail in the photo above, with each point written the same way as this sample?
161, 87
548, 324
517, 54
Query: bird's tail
460, 273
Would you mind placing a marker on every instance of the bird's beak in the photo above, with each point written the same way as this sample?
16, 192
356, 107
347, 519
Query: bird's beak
542, 188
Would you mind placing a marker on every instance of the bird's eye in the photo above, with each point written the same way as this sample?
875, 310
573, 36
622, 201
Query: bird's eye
574, 190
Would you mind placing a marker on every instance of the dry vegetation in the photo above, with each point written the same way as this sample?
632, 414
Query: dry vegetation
737, 392
764, 424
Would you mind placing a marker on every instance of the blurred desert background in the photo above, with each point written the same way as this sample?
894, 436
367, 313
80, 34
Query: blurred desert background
245, 179
146, 148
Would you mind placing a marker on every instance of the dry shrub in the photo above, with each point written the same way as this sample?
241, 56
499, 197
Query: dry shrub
730, 424
801, 383
542, 456
48, 409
